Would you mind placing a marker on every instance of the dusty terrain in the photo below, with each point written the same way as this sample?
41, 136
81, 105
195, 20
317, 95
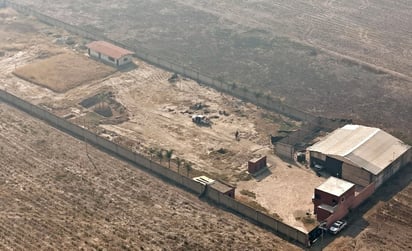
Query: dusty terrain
52, 196
383, 222
149, 112
333, 58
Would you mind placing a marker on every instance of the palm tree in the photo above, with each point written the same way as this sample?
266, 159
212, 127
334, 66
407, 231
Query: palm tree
168, 155
188, 167
160, 155
152, 151
178, 163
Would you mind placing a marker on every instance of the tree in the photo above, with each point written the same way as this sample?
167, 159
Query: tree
188, 167
160, 155
152, 151
178, 163
168, 155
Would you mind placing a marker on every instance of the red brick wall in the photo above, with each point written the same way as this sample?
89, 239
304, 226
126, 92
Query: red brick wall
363, 195
253, 167
327, 199
340, 212
321, 214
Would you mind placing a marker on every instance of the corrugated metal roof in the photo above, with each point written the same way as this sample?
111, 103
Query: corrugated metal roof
366, 147
204, 180
108, 49
335, 186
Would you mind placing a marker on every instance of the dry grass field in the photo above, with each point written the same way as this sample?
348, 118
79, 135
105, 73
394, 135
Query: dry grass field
53, 197
64, 71
350, 59
149, 112
56, 196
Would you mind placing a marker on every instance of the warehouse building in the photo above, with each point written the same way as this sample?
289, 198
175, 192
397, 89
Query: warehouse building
360, 154
109, 53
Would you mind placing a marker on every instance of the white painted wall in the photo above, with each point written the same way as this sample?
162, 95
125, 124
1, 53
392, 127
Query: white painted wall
122, 61
94, 53
125, 60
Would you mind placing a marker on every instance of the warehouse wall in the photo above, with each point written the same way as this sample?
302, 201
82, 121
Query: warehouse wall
393, 168
356, 175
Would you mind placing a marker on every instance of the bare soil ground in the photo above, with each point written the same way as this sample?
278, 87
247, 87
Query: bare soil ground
348, 59
64, 71
149, 112
52, 196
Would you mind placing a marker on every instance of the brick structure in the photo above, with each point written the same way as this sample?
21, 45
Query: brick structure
256, 164
334, 195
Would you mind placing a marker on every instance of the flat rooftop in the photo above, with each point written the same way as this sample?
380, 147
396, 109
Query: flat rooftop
335, 186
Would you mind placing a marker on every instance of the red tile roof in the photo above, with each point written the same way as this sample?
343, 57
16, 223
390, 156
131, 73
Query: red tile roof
108, 49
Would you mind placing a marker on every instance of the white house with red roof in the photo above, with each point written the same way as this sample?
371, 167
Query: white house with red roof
109, 53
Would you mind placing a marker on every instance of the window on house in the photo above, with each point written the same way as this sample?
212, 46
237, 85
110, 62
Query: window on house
317, 196
111, 59
125, 59
343, 199
334, 202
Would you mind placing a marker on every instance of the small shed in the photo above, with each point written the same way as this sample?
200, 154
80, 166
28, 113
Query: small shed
109, 53
220, 186
256, 164
224, 188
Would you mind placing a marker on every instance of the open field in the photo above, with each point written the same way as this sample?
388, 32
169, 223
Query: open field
149, 112
64, 71
52, 196
333, 58
157, 116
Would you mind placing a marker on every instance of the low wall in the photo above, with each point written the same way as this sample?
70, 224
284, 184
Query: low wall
291, 233
363, 195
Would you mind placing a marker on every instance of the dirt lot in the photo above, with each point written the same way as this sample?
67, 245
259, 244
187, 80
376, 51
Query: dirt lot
155, 95
52, 197
309, 53
64, 71
146, 111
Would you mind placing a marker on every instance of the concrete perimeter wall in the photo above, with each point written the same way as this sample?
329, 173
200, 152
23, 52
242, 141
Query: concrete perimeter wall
292, 234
